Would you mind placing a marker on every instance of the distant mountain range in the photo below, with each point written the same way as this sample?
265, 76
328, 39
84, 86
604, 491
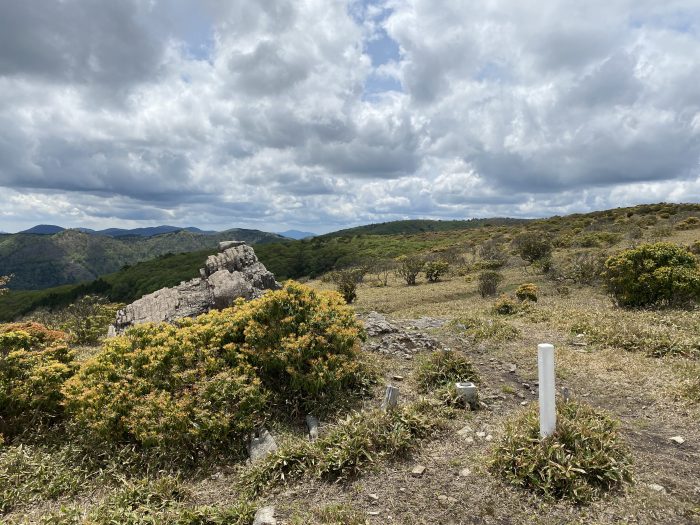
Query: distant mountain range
50, 229
46, 255
296, 234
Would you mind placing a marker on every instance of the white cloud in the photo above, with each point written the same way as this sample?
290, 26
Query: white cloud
256, 113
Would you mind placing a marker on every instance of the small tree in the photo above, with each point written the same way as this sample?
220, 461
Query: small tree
488, 282
409, 267
346, 282
653, 274
533, 246
435, 269
88, 319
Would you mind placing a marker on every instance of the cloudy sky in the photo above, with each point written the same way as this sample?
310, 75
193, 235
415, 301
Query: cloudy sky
321, 114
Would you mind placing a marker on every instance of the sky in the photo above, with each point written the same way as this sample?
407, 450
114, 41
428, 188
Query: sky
324, 114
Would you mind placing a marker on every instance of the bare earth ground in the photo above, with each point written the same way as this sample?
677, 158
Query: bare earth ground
457, 488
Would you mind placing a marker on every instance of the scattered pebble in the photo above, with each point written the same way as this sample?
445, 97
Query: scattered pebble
678, 439
469, 440
373, 498
465, 431
397, 378
418, 471
523, 403
373, 513
512, 368
464, 473
655, 487
481, 434
489, 437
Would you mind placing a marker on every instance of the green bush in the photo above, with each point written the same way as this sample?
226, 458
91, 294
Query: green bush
205, 384
533, 246
34, 363
435, 269
652, 275
493, 254
408, 268
442, 369
527, 292
488, 282
505, 305
584, 459
584, 267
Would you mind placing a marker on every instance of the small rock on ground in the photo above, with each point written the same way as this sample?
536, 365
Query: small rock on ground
265, 516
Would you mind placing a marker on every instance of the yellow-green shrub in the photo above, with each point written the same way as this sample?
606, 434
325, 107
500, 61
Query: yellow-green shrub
207, 382
34, 363
505, 305
527, 292
653, 274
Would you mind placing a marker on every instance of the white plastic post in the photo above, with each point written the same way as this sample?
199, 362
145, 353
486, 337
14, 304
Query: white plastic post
548, 409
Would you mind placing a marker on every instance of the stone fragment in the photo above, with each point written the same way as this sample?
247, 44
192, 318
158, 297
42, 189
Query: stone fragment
464, 472
312, 424
265, 516
261, 445
656, 487
418, 471
373, 498
678, 439
225, 245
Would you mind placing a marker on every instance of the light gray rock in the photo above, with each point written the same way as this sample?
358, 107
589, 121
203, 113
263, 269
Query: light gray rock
225, 245
265, 516
233, 273
261, 445
312, 424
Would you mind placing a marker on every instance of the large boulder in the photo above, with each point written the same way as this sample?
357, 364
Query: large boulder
234, 272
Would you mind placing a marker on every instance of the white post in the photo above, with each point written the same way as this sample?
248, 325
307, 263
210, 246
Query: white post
548, 409
391, 398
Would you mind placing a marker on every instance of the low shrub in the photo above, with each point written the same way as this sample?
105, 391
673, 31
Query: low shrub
527, 292
435, 269
653, 275
690, 223
205, 384
505, 305
480, 329
360, 440
695, 247
488, 282
442, 369
408, 268
584, 459
493, 254
585, 267
34, 364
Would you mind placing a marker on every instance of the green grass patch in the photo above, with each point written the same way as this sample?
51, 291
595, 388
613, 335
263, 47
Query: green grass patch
349, 447
583, 460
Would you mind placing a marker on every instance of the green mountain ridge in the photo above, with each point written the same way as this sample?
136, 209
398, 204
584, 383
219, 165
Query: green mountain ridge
71, 256
315, 256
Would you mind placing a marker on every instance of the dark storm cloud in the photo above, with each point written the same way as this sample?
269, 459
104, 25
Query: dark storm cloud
78, 41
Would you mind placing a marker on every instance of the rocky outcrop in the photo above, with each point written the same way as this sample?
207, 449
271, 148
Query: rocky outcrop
232, 273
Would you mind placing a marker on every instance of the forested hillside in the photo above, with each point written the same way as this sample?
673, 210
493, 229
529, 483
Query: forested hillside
71, 256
